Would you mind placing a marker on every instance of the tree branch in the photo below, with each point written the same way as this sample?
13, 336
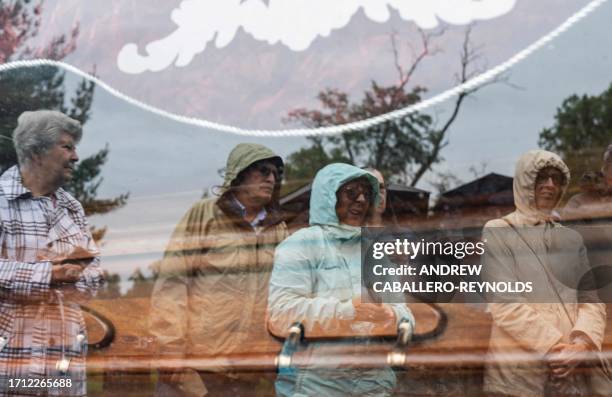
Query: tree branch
406, 74
468, 56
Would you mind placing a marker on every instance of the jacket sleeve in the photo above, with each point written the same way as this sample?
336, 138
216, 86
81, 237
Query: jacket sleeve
591, 319
292, 292
91, 279
24, 280
169, 319
403, 313
92, 276
591, 322
88, 285
29, 281
514, 314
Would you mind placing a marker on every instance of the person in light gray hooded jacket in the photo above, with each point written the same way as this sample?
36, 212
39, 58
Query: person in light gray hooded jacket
316, 280
537, 342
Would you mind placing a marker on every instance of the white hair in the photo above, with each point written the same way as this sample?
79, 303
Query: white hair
39, 130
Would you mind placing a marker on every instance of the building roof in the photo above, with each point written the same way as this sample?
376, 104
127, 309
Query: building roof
490, 189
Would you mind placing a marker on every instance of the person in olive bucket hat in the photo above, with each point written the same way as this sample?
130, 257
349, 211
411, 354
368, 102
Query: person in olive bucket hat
211, 293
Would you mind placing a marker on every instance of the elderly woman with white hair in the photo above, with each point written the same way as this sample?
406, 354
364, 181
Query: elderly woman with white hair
47, 260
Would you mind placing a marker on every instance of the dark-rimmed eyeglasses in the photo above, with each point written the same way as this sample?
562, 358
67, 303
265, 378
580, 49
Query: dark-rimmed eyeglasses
353, 193
556, 176
265, 169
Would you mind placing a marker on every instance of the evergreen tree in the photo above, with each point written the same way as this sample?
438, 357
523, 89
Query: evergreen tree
44, 88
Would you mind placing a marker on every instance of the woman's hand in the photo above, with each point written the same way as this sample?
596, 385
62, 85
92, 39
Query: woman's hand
373, 312
563, 358
67, 273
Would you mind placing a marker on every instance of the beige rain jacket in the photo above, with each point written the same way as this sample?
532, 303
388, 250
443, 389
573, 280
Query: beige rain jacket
210, 297
531, 329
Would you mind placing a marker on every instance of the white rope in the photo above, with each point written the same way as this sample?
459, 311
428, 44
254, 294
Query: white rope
471, 84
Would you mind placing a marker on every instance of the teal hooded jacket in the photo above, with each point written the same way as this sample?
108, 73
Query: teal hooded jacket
316, 275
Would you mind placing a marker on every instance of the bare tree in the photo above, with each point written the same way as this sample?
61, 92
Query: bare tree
403, 149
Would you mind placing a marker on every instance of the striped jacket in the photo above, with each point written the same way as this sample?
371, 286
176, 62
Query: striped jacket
41, 324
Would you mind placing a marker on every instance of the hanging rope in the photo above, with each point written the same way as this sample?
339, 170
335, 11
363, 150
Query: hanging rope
469, 85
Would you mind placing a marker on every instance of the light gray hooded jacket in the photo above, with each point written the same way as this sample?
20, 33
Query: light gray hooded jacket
313, 281
530, 329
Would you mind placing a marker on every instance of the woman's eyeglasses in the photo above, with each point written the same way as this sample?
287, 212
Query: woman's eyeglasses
265, 169
557, 177
353, 193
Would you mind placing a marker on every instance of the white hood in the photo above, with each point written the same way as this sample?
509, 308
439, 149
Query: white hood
527, 169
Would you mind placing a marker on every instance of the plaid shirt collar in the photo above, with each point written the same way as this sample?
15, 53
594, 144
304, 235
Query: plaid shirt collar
13, 188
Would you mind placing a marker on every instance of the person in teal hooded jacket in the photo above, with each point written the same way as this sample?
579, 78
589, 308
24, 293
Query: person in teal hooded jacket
316, 280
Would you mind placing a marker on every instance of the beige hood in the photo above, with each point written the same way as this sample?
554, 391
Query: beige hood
527, 169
